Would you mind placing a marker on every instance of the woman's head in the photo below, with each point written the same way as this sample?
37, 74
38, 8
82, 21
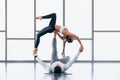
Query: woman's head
68, 39
57, 69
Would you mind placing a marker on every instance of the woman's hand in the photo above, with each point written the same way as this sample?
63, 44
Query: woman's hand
63, 54
81, 49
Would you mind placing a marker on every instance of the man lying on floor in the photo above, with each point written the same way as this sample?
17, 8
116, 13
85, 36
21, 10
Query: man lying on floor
57, 65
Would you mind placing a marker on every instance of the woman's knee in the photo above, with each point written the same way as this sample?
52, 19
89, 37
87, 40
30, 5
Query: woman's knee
38, 35
54, 14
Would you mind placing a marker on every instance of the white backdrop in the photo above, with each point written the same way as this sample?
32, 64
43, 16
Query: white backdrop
78, 19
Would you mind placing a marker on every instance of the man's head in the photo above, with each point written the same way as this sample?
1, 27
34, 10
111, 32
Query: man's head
57, 69
68, 39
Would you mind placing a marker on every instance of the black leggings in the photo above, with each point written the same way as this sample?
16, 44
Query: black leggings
49, 29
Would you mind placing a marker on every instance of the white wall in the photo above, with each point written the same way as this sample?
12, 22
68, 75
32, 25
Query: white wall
78, 19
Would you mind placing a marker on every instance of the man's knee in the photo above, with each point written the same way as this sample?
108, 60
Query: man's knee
68, 58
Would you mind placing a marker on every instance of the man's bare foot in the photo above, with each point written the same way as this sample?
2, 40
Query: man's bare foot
35, 51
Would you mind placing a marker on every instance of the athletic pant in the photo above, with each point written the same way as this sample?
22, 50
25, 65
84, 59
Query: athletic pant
54, 54
49, 29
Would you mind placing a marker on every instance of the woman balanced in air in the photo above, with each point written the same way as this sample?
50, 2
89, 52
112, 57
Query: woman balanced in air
67, 36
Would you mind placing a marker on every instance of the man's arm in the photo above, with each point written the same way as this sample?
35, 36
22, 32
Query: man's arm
72, 61
42, 63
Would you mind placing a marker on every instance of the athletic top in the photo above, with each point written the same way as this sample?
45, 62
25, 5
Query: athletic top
62, 28
63, 66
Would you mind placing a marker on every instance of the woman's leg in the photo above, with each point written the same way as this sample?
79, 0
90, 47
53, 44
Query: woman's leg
65, 59
52, 21
48, 29
41, 33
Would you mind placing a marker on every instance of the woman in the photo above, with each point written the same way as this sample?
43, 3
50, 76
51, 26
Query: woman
67, 36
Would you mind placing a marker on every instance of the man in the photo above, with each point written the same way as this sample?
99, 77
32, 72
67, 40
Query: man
57, 65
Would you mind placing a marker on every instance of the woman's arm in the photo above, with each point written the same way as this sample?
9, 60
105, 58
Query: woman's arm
78, 39
64, 43
63, 52
61, 37
81, 47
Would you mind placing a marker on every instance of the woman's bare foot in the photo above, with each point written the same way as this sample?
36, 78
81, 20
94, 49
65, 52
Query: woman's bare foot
35, 51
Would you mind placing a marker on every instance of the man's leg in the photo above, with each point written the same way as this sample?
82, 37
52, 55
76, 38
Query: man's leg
65, 59
54, 56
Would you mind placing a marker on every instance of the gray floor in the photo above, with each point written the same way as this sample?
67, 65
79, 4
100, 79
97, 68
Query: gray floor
78, 71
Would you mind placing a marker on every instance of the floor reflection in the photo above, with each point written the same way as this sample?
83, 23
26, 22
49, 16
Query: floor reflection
79, 71
58, 76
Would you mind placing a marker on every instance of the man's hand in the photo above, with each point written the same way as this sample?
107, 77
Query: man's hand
39, 17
